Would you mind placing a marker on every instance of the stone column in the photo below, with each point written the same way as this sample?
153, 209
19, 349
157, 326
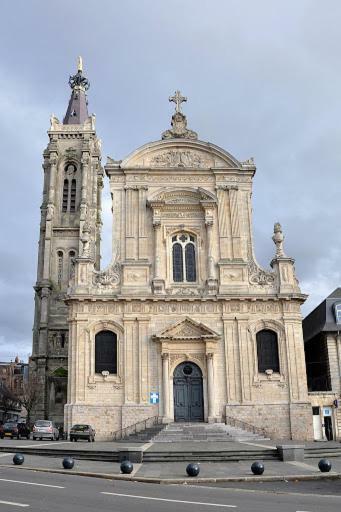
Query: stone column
165, 384
233, 193
224, 222
157, 248
210, 261
85, 170
210, 385
212, 283
143, 246
131, 208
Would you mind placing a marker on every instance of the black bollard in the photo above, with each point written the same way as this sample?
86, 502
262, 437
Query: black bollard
324, 466
257, 468
126, 467
68, 463
18, 459
193, 469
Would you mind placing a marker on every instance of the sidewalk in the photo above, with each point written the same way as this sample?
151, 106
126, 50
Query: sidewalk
175, 472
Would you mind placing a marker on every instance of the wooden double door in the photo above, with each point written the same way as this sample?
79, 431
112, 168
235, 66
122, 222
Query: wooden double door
188, 393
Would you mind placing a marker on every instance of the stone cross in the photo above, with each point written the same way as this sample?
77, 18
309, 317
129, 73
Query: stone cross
177, 99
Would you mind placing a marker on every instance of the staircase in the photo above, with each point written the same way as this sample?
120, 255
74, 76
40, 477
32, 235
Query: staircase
214, 432
144, 436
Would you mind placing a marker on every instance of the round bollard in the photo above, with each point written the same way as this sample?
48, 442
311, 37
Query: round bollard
193, 469
18, 459
257, 468
126, 467
68, 463
324, 466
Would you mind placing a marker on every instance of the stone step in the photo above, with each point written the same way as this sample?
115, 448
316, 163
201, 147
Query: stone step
180, 432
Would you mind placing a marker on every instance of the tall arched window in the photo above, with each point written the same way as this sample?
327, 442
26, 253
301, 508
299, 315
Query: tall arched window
184, 259
60, 258
106, 352
267, 351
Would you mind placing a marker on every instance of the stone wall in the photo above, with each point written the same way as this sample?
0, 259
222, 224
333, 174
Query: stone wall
279, 421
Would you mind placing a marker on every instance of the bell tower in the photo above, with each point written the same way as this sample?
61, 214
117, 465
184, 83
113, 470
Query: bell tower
71, 206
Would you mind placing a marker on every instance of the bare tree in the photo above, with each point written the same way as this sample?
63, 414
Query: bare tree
28, 397
8, 401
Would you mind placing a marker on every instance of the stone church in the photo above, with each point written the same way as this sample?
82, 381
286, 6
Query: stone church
183, 324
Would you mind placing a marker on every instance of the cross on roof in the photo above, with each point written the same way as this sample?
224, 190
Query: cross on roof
177, 99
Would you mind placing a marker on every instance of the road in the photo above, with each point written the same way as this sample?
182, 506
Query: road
23, 489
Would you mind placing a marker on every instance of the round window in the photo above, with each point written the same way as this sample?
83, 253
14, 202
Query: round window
187, 369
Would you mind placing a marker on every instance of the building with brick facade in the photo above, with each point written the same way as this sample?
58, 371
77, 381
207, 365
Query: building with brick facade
183, 324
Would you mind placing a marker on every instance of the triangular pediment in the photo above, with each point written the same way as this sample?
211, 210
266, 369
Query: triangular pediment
187, 329
180, 153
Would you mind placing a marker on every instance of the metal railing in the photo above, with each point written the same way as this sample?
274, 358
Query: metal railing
245, 426
136, 427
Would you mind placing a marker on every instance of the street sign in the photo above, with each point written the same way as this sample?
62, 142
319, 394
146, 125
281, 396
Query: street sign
327, 411
154, 397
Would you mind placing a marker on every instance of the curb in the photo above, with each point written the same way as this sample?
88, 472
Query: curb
193, 480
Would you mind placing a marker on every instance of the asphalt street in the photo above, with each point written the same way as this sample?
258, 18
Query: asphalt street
53, 492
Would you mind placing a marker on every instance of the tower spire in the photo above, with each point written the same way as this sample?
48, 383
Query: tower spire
77, 111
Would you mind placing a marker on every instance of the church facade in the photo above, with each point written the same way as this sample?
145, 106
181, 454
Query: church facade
183, 324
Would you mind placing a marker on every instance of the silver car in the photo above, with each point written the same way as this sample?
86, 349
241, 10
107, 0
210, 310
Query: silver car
45, 429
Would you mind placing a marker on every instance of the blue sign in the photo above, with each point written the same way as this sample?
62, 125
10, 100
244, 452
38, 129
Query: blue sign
154, 397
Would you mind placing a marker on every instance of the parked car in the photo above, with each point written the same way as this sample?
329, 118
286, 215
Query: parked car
45, 429
10, 429
82, 432
23, 430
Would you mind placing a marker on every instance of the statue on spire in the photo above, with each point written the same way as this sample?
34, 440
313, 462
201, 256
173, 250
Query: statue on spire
278, 239
79, 80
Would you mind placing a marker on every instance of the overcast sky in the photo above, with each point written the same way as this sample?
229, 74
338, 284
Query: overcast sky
263, 79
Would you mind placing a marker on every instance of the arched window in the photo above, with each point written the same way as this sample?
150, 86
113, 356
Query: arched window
184, 260
267, 351
69, 189
60, 257
106, 352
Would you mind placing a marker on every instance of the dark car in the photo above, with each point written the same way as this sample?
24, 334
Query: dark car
10, 429
23, 430
81, 431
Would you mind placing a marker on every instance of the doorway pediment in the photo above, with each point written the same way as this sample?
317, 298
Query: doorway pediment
186, 330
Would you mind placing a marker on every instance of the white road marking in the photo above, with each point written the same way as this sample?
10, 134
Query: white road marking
6, 454
13, 504
258, 444
136, 468
31, 483
171, 501
35, 445
303, 465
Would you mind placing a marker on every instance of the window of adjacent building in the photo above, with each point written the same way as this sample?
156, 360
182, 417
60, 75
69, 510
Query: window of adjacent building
106, 352
60, 258
267, 351
337, 311
184, 258
69, 190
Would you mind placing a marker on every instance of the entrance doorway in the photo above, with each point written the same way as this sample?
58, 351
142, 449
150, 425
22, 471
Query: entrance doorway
188, 393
